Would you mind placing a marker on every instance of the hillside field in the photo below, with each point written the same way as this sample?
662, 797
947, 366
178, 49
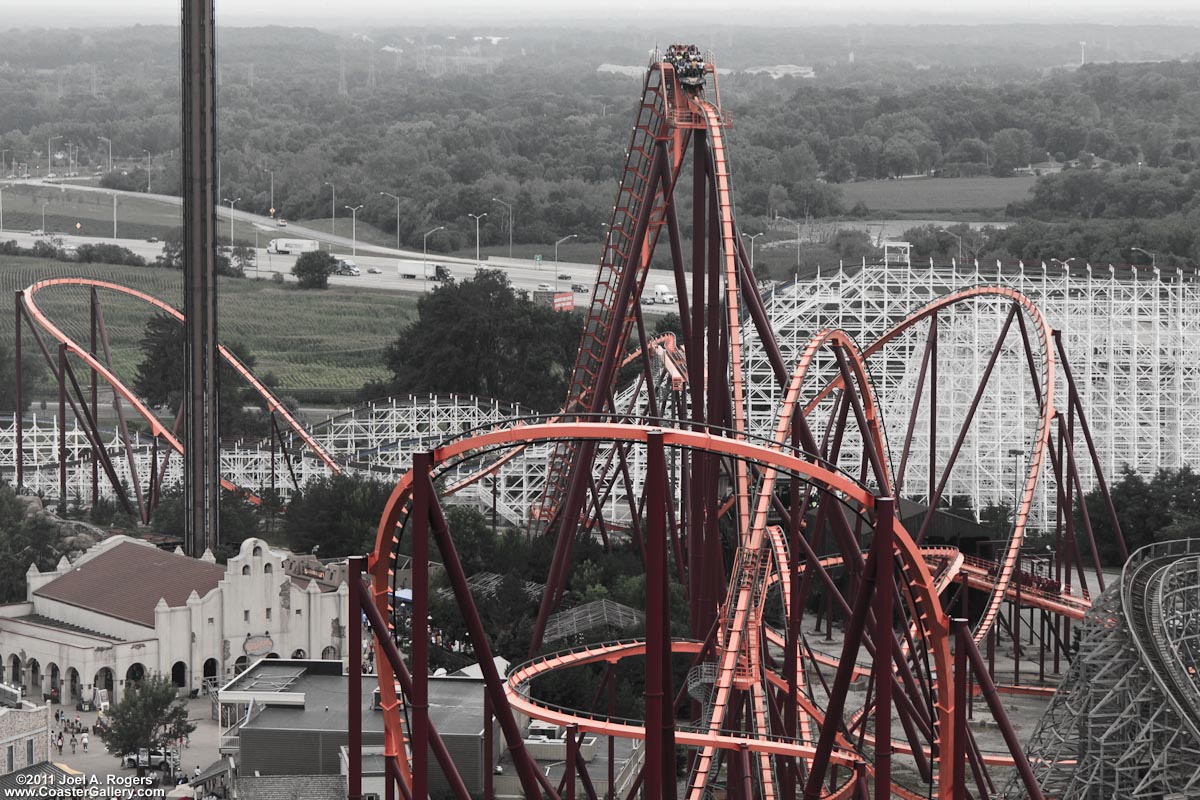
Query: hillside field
317, 344
942, 195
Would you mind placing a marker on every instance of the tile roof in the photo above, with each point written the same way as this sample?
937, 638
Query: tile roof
291, 787
127, 580
16, 781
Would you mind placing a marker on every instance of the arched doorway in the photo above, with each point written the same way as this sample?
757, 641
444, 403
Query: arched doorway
299, 654
272, 655
329, 653
240, 665
55, 687
72, 687
210, 669
34, 672
105, 679
179, 674
133, 676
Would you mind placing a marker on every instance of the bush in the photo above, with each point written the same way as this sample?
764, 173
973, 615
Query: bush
109, 254
313, 269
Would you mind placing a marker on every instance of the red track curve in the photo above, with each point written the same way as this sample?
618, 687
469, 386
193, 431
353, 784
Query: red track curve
156, 427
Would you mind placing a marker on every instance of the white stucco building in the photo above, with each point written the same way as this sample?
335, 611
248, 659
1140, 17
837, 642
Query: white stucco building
126, 608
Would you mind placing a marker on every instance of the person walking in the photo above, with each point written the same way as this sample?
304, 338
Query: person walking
84, 741
60, 743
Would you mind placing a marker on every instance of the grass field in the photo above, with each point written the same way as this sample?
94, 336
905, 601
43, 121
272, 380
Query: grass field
137, 218
940, 195
316, 343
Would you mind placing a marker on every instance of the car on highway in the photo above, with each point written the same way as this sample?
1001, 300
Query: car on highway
282, 223
345, 266
580, 288
37, 232
545, 287
562, 276
375, 270
153, 240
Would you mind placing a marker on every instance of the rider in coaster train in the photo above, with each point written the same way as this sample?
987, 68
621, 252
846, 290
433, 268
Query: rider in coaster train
686, 60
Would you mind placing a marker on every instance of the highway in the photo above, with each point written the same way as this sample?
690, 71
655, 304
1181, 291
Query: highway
524, 274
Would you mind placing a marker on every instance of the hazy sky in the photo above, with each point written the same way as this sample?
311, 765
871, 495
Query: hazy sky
76, 13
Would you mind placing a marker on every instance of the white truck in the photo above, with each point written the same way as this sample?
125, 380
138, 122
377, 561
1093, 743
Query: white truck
662, 294
293, 246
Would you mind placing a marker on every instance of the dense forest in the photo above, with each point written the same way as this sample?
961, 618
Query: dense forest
447, 120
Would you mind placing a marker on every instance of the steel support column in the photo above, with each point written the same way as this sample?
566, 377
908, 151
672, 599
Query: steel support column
201, 461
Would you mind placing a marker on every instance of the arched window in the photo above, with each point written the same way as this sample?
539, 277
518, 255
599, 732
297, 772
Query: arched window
257, 551
268, 569
246, 570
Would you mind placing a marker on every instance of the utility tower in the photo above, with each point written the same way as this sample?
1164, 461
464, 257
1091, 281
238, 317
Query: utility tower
201, 454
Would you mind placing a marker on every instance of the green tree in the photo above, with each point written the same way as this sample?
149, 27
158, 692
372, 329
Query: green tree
480, 337
338, 514
23, 541
313, 269
151, 714
160, 377
1011, 148
33, 375
239, 518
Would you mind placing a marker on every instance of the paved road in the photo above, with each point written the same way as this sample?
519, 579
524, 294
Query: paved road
524, 274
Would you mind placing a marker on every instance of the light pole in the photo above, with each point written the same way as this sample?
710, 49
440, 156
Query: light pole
797, 224
1, 209
556, 244
397, 199
149, 165
354, 228
1061, 263
612, 230
44, 204
231, 202
271, 172
114, 197
510, 222
477, 217
956, 236
106, 139
49, 148
752, 237
425, 255
1153, 256
332, 211
3, 163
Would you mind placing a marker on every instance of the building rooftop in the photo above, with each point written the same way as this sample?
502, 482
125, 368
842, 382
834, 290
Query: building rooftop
291, 787
47, 622
15, 782
127, 580
455, 703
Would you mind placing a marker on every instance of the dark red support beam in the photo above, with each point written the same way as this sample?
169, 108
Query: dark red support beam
93, 306
62, 428
885, 641
354, 566
992, 697
419, 699
660, 734
532, 780
19, 374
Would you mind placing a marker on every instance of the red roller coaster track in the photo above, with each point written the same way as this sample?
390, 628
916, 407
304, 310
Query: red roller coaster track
764, 718
85, 409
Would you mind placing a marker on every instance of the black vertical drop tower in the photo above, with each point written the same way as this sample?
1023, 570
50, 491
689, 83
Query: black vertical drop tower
201, 472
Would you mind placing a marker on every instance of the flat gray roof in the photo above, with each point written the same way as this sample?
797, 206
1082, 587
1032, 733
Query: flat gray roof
455, 703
